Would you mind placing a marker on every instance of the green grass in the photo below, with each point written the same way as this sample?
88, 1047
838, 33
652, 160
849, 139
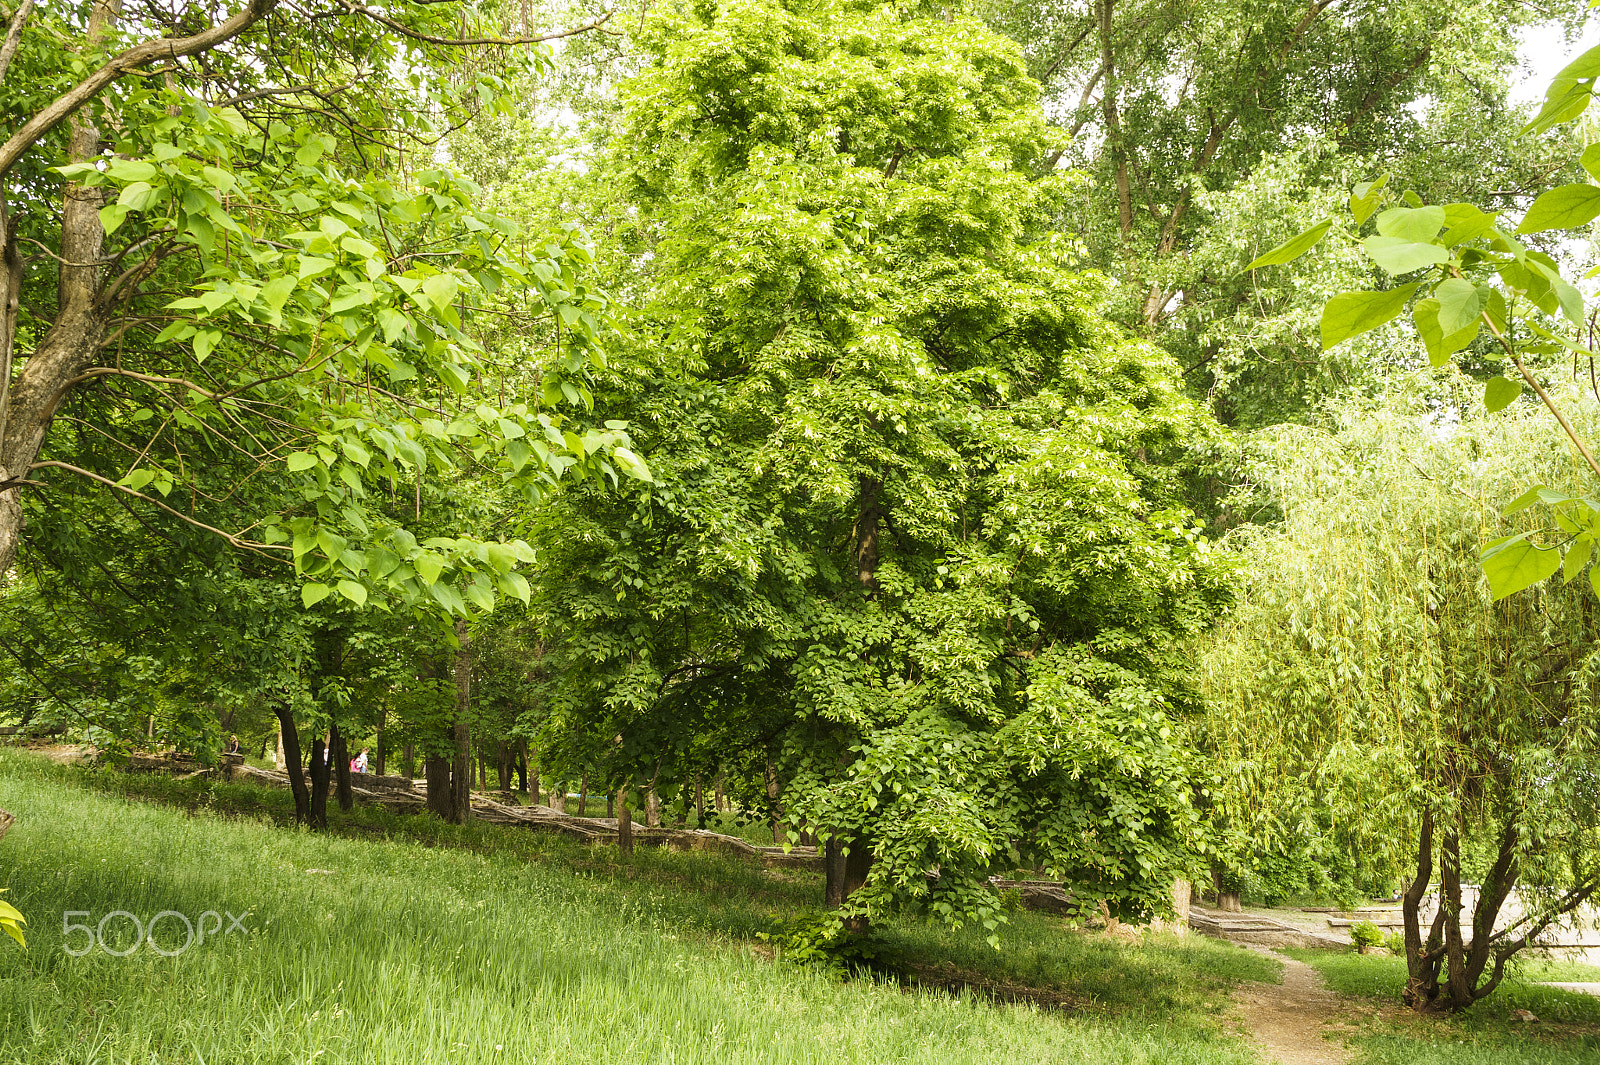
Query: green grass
1487, 1034
395, 939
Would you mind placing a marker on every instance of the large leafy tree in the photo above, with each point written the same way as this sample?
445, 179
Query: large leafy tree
219, 242
913, 554
1369, 671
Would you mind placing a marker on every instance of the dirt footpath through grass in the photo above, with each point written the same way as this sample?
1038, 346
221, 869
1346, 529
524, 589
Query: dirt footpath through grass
1287, 1020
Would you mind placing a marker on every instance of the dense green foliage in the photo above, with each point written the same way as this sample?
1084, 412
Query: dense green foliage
916, 539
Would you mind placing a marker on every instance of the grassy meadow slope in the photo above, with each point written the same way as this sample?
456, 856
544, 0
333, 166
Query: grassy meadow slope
404, 940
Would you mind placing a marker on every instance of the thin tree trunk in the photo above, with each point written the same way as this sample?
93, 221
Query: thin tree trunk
289, 762
652, 808
277, 759
341, 768
319, 783
699, 804
774, 805
461, 771
408, 760
719, 798
624, 819
378, 762
583, 795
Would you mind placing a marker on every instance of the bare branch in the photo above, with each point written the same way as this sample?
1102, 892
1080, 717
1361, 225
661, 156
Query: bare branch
252, 546
401, 28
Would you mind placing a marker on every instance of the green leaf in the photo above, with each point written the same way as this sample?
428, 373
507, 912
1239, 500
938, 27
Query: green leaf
1578, 553
1398, 256
1590, 160
301, 460
137, 197
515, 585
112, 216
131, 170
1353, 313
1416, 224
1294, 247
1425, 315
440, 290
1365, 197
1513, 563
1500, 393
1563, 207
354, 591
1460, 303
312, 593
205, 342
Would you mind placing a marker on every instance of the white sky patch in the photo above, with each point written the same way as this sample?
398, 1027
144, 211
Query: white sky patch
1541, 53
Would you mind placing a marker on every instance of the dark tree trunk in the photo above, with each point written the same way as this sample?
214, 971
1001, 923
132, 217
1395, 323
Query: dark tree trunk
611, 804
833, 866
522, 766
289, 742
461, 770
319, 784
379, 760
437, 769
341, 768
1422, 983
408, 761
583, 795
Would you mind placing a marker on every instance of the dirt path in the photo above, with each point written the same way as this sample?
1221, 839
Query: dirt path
1287, 1019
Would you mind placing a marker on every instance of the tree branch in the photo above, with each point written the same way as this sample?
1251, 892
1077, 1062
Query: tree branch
7, 50
401, 28
164, 48
244, 545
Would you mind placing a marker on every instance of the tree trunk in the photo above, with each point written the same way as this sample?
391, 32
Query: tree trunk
774, 806
378, 760
833, 867
289, 762
277, 759
461, 771
408, 761
522, 766
652, 808
340, 756
624, 819
1422, 983
611, 804
720, 800
440, 801
583, 795
319, 784
699, 804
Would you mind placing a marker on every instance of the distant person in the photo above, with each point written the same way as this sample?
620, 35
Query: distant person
233, 745
361, 761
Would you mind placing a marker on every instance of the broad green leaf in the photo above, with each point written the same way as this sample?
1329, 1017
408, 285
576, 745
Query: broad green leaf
1365, 197
112, 215
514, 585
137, 197
1460, 303
1513, 563
1294, 247
276, 292
205, 342
131, 170
1590, 160
1416, 224
1537, 494
1586, 66
1563, 207
1425, 315
1353, 313
1398, 256
301, 460
1465, 222
354, 591
440, 290
312, 593
1500, 393
1578, 553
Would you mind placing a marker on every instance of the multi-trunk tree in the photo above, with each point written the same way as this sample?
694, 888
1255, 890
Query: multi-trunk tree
1369, 671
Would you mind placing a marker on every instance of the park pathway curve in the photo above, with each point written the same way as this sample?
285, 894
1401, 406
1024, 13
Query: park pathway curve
1287, 1020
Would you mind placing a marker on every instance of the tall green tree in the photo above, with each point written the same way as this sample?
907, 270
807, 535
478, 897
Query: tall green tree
914, 548
1212, 129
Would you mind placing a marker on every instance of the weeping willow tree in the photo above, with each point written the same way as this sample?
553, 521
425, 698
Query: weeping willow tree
1368, 676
